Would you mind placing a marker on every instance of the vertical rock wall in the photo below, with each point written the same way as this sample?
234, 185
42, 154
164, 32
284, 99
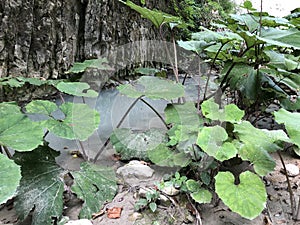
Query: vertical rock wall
42, 38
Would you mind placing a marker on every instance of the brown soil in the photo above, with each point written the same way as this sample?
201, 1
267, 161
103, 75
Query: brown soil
181, 210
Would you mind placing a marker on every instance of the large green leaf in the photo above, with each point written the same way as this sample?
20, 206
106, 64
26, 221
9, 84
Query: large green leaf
94, 185
247, 20
186, 123
17, 131
155, 16
77, 89
10, 176
212, 140
79, 123
164, 156
152, 87
20, 81
283, 61
136, 144
262, 162
248, 198
195, 46
291, 122
100, 64
198, 193
230, 113
41, 107
182, 114
264, 139
280, 37
243, 78
202, 196
41, 187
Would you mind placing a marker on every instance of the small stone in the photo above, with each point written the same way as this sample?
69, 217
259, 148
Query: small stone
170, 190
135, 216
79, 222
291, 169
164, 201
135, 169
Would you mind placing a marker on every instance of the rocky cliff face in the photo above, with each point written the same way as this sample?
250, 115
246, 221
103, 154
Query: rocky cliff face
43, 38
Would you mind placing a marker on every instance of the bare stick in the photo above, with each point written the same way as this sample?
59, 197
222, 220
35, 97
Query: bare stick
298, 209
292, 199
198, 216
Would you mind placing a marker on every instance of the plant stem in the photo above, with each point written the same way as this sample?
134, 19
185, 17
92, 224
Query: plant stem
83, 151
292, 199
61, 97
7, 151
298, 209
119, 124
198, 216
45, 135
157, 113
211, 66
174, 67
198, 90
175, 59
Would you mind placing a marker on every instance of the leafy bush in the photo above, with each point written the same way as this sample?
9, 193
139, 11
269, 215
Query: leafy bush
201, 13
256, 53
258, 57
32, 175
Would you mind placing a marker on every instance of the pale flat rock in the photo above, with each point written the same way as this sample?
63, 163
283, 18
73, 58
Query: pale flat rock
135, 170
79, 222
291, 169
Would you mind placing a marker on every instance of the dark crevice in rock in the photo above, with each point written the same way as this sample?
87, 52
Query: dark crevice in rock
82, 7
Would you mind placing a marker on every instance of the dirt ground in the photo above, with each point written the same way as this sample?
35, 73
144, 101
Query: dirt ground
181, 211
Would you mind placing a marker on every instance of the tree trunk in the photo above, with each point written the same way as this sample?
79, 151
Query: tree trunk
43, 38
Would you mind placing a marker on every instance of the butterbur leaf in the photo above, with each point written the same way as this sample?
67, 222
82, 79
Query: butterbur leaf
10, 177
146, 70
90, 63
17, 131
212, 141
291, 122
164, 156
263, 163
155, 16
41, 107
183, 114
77, 89
248, 198
186, 124
202, 196
281, 37
192, 185
12, 82
153, 88
230, 113
261, 138
94, 185
41, 188
79, 123
132, 144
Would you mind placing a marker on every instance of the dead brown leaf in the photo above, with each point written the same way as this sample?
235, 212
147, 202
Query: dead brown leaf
114, 213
